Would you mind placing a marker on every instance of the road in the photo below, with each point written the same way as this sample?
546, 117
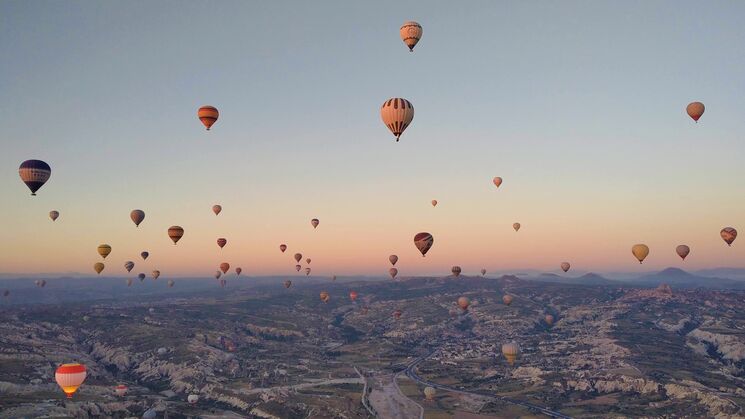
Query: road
409, 372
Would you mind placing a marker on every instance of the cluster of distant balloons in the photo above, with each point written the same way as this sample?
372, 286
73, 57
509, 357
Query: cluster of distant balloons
397, 115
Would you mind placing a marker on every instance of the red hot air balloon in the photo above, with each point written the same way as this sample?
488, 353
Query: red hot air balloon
69, 377
695, 110
34, 173
224, 267
683, 251
397, 314
423, 242
297, 257
222, 242
282, 247
208, 115
353, 296
393, 259
217, 209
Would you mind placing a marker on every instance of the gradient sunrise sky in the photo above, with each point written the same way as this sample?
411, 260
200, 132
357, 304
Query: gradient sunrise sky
579, 106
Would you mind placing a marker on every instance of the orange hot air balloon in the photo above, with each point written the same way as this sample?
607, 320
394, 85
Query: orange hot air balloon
683, 251
54, 215
98, 267
217, 209
393, 272
121, 390
224, 267
411, 33
497, 181
393, 259
463, 303
288, 283
297, 257
307, 271
565, 266
510, 351
283, 247
507, 299
456, 271
516, 226
238, 270
397, 114
222, 242
324, 296
208, 115
137, 216
314, 222
483, 271
307, 261
695, 110
640, 252
434, 202
298, 268
397, 314
353, 296
104, 250
175, 233
549, 319
423, 242
69, 377
729, 235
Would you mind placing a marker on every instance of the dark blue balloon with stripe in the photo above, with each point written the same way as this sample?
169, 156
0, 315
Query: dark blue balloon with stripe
34, 173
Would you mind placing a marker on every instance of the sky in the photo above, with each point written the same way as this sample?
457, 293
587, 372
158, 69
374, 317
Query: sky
578, 106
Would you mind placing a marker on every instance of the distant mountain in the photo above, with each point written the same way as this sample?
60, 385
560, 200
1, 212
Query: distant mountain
678, 278
586, 279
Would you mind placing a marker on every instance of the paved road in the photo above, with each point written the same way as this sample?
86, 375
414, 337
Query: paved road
409, 371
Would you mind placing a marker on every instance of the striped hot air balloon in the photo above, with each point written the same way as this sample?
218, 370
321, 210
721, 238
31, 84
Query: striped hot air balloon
397, 114
510, 351
424, 241
175, 233
411, 33
69, 377
208, 115
34, 173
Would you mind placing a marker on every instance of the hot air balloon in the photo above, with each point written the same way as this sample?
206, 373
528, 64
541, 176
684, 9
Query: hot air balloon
463, 303
397, 314
223, 283
297, 257
175, 233
98, 267
170, 283
456, 271
507, 299
640, 252
288, 283
141, 276
434, 202
104, 250
137, 216
54, 215
497, 181
683, 251
510, 351
695, 110
729, 235
222, 242
565, 266
128, 265
217, 209
423, 242
307, 271
218, 274
429, 393
34, 173
549, 319
144, 255
314, 222
411, 33
37, 283
120, 390
156, 274
393, 272
208, 115
353, 296
298, 268
324, 296
192, 399
43, 283
393, 259
224, 267
238, 271
69, 377
397, 114
129, 282
516, 226
483, 271
307, 261
283, 247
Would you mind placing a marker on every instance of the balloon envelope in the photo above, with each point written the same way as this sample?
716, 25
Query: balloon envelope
640, 252
497, 181
283, 247
298, 268
175, 233
288, 283
128, 265
565, 266
682, 251
516, 226
549, 319
456, 271
297, 257
393, 272
222, 242
156, 274
434, 202
393, 259
137, 216
411, 33
104, 250
69, 377
144, 255
34, 173
307, 271
729, 235
353, 295
54, 215
423, 242
695, 110
397, 114
208, 115
463, 303
510, 351
314, 222
217, 209
98, 267
483, 271
238, 270
224, 267
507, 299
